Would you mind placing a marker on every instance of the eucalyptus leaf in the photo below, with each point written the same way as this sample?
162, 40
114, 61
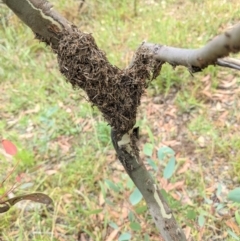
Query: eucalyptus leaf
169, 169
26, 185
201, 220
148, 149
112, 186
135, 226
219, 190
95, 211
113, 225
237, 217
125, 237
152, 164
191, 214
165, 152
235, 236
146, 237
141, 209
135, 197
234, 195
131, 216
130, 184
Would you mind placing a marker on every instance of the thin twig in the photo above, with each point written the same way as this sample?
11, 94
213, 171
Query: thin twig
229, 63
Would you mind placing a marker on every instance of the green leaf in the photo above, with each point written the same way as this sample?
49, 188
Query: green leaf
208, 201
146, 237
109, 202
51, 111
103, 189
219, 190
165, 152
191, 214
169, 169
26, 157
135, 226
130, 184
220, 206
152, 164
150, 134
165, 194
141, 209
135, 197
113, 225
148, 149
131, 216
26, 185
112, 186
234, 195
237, 216
125, 237
233, 235
96, 211
2, 190
201, 220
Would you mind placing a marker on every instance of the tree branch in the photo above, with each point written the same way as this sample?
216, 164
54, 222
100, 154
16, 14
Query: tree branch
197, 59
128, 153
229, 63
116, 92
41, 18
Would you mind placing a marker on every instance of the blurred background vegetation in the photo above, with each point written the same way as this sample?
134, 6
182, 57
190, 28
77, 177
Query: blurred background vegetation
64, 144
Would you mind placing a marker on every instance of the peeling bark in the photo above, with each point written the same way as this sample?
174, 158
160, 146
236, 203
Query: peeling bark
41, 18
50, 27
128, 154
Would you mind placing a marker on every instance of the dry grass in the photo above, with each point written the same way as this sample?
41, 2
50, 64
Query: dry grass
64, 144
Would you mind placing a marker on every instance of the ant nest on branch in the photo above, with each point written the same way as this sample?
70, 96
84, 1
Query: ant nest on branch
116, 93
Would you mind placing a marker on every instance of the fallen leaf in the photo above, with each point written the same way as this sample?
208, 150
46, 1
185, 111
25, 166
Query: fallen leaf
188, 232
184, 168
9, 147
113, 234
35, 197
176, 185
233, 226
101, 199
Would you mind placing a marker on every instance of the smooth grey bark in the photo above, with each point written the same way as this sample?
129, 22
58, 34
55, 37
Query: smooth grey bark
41, 18
126, 148
229, 63
47, 24
197, 59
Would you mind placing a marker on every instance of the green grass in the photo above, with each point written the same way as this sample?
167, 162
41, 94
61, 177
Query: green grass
64, 144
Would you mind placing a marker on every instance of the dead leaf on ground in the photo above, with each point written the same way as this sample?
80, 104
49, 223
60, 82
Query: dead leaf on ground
113, 234
35, 197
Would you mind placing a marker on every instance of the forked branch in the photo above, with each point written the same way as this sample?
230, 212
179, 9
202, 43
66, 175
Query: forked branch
117, 93
195, 60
